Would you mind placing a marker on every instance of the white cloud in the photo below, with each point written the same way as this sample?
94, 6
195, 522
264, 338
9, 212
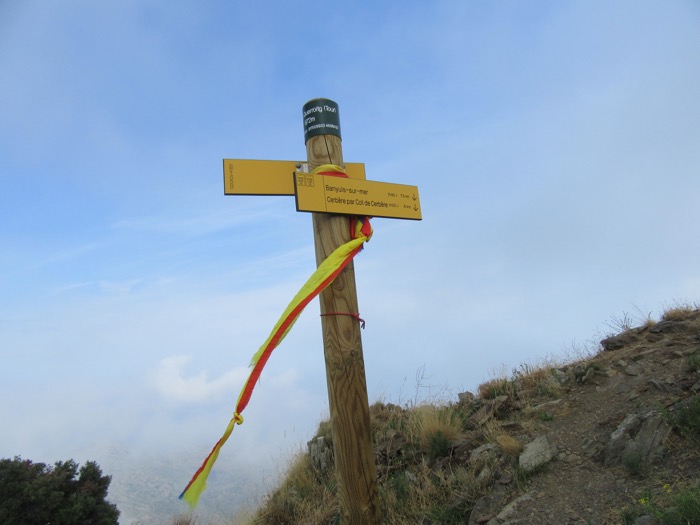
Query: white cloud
555, 170
173, 383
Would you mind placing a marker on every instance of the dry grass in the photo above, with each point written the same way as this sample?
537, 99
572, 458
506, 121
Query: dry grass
244, 517
527, 382
435, 428
538, 381
410, 490
424, 496
420, 478
509, 445
302, 498
383, 415
325, 430
499, 386
420, 483
680, 312
184, 519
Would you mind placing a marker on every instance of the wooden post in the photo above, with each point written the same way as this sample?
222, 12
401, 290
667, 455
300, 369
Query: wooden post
345, 368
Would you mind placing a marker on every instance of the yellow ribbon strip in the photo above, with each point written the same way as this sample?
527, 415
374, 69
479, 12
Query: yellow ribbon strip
324, 275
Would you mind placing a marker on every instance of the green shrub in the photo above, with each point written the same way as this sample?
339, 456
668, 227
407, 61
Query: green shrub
684, 508
629, 516
400, 486
447, 514
634, 463
546, 416
438, 445
65, 494
673, 506
694, 362
687, 419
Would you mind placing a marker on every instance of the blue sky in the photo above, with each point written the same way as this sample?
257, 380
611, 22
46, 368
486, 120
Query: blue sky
555, 146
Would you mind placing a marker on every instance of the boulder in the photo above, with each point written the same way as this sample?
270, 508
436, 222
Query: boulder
321, 454
537, 453
616, 342
639, 436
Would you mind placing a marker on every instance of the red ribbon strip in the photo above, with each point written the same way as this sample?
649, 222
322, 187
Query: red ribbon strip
356, 316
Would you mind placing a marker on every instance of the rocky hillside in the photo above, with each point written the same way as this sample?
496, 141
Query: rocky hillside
611, 439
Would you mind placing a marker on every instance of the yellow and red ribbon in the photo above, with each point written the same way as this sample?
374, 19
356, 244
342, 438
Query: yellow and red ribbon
328, 270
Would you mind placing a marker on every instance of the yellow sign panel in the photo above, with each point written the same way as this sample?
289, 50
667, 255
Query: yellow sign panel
269, 177
328, 194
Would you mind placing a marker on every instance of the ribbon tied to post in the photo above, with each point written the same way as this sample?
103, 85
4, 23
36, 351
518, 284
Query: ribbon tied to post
325, 274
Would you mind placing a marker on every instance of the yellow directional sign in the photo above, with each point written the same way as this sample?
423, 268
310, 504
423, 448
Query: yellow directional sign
269, 177
328, 194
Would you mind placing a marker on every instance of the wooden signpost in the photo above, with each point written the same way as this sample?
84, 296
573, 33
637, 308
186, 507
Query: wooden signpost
332, 199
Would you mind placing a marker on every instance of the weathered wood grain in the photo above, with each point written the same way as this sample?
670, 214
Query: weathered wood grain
345, 368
